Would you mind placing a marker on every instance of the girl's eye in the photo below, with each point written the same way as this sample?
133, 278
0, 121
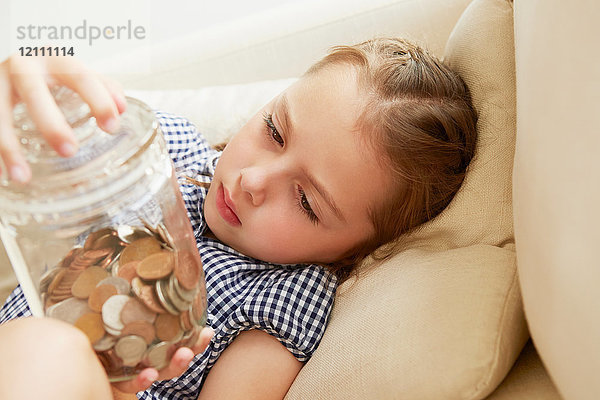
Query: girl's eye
305, 207
272, 132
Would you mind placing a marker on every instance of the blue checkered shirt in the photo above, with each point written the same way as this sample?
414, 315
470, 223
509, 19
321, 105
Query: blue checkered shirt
290, 302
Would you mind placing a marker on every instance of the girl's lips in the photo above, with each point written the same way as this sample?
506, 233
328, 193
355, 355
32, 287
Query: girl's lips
225, 207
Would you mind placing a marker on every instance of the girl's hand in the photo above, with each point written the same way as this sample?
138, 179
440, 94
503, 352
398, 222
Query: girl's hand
27, 79
179, 363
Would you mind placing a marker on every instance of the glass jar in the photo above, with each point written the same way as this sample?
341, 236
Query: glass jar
102, 239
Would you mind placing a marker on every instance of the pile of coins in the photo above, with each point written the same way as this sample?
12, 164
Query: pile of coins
132, 293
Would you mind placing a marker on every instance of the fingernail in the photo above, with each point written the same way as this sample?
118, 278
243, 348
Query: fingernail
19, 173
67, 149
151, 378
111, 125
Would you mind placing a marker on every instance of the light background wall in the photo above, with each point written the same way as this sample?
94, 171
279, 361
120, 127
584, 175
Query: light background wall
161, 21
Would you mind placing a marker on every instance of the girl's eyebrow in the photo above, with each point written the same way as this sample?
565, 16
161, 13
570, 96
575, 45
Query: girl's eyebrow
325, 195
283, 114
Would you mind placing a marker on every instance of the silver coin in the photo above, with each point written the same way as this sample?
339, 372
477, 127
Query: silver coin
157, 355
122, 285
166, 237
129, 234
106, 343
176, 300
111, 312
112, 331
69, 310
161, 292
131, 349
186, 295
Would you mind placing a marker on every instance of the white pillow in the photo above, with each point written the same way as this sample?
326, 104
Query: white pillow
217, 111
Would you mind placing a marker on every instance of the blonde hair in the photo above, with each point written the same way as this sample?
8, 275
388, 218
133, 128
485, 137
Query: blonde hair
419, 115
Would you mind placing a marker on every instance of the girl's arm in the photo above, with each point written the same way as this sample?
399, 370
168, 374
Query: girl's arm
254, 366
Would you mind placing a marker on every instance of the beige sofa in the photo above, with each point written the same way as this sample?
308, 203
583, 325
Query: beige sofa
444, 319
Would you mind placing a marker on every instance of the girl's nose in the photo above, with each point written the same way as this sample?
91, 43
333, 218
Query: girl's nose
254, 181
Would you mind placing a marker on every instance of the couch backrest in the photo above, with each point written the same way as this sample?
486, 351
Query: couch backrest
557, 186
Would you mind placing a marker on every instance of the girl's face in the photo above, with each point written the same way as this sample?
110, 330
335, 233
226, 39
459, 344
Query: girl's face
296, 183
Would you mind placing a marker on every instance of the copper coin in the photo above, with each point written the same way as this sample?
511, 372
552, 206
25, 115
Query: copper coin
135, 310
94, 236
127, 271
155, 266
99, 295
108, 241
187, 269
56, 280
140, 249
167, 327
143, 329
68, 259
147, 295
87, 281
91, 324
185, 322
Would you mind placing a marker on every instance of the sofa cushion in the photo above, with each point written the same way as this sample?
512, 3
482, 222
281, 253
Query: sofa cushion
442, 319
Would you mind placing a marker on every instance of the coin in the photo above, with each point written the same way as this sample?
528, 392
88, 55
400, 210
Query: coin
163, 297
187, 269
68, 310
143, 329
56, 280
179, 303
91, 325
157, 355
131, 349
129, 234
94, 236
87, 281
167, 327
155, 266
186, 295
135, 310
68, 259
105, 343
121, 284
111, 312
147, 295
99, 295
140, 249
198, 313
126, 271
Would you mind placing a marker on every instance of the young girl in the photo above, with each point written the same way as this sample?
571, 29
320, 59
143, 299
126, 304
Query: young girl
369, 143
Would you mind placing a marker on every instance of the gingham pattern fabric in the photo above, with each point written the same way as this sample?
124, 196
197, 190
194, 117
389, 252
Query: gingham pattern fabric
290, 302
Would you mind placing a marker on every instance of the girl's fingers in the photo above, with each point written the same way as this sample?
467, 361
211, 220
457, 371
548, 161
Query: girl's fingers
90, 87
141, 382
117, 93
10, 151
205, 336
27, 78
178, 365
